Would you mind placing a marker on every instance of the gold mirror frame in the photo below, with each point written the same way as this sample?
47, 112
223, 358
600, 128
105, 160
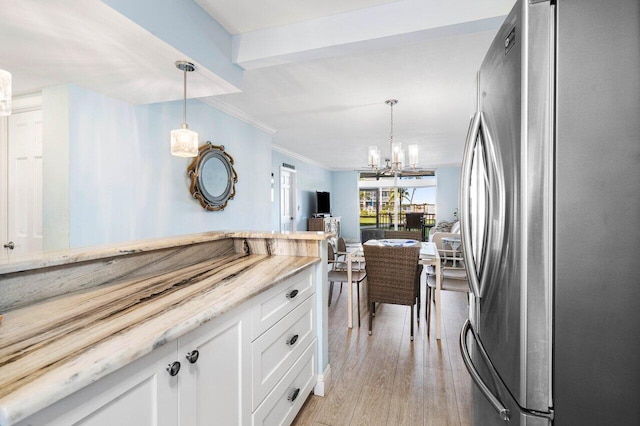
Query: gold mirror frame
209, 201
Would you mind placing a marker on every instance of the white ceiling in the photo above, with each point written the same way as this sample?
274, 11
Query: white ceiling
46, 43
241, 16
321, 84
316, 75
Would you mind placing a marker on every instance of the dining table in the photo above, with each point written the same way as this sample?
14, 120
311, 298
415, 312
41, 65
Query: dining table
428, 256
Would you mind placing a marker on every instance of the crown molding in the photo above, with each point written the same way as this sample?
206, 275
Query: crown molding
237, 113
297, 156
27, 103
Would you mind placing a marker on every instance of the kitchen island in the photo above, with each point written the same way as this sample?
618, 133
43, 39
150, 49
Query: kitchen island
73, 318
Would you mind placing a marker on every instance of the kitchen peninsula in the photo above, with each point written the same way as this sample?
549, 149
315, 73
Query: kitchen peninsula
246, 308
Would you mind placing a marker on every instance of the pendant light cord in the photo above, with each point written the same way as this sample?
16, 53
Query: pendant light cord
184, 105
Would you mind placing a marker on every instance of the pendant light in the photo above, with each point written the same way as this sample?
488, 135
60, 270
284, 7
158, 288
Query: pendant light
184, 142
5, 93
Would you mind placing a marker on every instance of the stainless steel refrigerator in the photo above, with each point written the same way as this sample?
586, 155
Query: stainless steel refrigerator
550, 215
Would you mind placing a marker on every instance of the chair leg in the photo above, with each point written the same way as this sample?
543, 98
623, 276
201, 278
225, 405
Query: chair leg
330, 292
372, 304
374, 308
419, 306
411, 307
340, 288
358, 285
428, 309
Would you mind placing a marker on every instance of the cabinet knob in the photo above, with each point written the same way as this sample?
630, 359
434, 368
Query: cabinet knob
10, 245
292, 340
293, 394
192, 356
292, 294
173, 368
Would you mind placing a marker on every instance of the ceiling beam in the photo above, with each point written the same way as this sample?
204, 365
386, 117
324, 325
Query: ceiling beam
396, 23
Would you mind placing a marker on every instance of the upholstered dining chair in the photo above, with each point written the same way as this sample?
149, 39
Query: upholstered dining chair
392, 277
453, 275
337, 273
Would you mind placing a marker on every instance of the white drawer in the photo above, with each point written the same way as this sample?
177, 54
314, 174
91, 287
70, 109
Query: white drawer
276, 350
279, 408
278, 301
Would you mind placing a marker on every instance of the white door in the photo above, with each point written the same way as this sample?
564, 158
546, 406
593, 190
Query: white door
287, 199
24, 184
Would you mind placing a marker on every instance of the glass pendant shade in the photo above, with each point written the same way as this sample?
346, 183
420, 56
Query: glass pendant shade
5, 93
184, 142
374, 157
413, 155
397, 155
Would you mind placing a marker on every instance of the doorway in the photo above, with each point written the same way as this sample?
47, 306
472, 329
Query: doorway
287, 199
21, 144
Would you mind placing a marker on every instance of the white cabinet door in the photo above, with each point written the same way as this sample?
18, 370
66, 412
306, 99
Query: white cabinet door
216, 389
141, 393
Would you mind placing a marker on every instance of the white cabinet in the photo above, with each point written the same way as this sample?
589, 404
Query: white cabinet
286, 399
141, 393
254, 365
217, 385
277, 349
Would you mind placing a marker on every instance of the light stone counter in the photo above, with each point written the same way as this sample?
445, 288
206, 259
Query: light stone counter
62, 257
51, 347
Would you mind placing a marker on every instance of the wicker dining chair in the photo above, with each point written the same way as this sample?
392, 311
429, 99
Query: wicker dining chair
338, 274
392, 277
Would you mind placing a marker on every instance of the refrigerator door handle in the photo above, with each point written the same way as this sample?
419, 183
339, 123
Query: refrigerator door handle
465, 219
495, 402
497, 190
502, 410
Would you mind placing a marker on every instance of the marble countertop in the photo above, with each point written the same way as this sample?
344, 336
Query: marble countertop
64, 257
53, 348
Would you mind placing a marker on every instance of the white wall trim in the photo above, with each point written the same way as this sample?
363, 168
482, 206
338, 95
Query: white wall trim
237, 113
323, 383
27, 103
297, 156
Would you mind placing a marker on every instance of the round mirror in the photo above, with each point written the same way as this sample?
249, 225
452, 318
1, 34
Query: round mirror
212, 177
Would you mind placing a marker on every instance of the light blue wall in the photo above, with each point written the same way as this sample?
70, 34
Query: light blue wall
187, 27
310, 178
447, 190
344, 199
125, 185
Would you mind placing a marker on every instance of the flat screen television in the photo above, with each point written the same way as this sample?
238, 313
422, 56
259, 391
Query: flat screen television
323, 202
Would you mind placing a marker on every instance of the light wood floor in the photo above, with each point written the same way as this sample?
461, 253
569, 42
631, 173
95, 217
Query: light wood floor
385, 379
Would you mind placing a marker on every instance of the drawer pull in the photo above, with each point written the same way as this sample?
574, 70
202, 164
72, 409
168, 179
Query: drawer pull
293, 394
292, 294
173, 368
292, 340
192, 356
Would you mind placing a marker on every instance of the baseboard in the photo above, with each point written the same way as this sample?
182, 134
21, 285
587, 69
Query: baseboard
323, 383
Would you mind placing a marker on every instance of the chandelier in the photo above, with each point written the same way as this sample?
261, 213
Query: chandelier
395, 163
